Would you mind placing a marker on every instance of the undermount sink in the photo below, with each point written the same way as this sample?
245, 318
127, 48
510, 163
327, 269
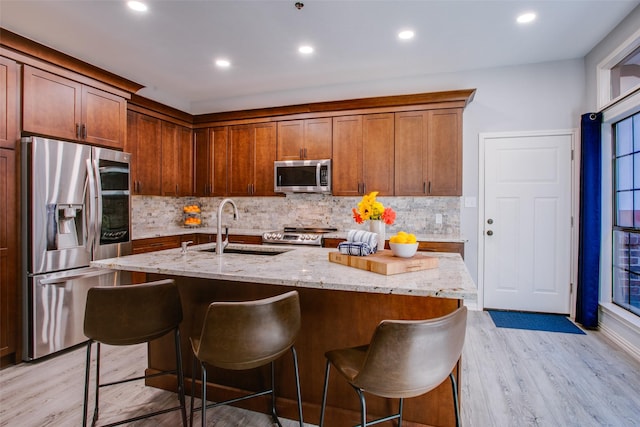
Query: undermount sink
246, 251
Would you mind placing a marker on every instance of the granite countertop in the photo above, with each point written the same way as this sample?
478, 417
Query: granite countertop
175, 230
307, 267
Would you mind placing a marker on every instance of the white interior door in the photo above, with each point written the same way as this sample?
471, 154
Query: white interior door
527, 222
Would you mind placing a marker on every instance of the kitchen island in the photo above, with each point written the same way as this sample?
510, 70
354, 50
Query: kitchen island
340, 305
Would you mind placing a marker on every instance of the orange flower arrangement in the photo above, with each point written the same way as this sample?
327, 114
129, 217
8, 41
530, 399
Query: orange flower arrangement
370, 209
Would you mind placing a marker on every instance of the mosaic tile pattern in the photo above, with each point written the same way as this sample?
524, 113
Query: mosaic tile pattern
414, 214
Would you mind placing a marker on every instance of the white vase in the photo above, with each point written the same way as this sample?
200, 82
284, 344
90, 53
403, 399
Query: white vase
377, 226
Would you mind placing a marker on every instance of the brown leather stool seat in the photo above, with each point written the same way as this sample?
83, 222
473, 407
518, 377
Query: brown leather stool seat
128, 315
404, 359
245, 335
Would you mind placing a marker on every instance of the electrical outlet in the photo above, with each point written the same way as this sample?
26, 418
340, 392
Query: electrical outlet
438, 218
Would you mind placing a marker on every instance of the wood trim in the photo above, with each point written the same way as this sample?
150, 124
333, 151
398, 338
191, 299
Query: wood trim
29, 52
155, 109
448, 99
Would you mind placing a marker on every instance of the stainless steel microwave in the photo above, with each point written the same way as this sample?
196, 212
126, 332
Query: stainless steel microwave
302, 176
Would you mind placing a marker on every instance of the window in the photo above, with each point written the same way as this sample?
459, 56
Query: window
626, 216
618, 74
625, 75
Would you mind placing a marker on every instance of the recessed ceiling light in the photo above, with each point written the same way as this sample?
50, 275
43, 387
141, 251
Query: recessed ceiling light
306, 49
525, 18
138, 6
223, 63
406, 34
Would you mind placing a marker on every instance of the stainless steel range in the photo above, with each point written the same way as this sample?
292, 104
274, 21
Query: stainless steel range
311, 236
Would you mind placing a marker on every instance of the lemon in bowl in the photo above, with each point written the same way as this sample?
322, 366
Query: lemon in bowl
403, 245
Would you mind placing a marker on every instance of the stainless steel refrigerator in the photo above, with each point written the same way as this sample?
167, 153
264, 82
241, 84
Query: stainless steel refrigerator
75, 204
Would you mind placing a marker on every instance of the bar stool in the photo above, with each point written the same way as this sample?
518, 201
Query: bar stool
404, 359
245, 335
128, 315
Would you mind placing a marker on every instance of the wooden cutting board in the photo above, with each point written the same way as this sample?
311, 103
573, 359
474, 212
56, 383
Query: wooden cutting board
385, 263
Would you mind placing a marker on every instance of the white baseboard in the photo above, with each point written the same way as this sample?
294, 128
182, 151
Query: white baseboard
621, 327
472, 305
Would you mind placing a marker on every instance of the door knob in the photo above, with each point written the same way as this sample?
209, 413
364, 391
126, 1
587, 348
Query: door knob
490, 221
489, 233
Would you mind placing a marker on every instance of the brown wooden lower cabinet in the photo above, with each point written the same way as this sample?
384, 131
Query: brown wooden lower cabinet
330, 319
452, 247
9, 250
152, 244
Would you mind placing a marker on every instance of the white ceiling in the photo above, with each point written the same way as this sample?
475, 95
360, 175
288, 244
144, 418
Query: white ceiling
171, 48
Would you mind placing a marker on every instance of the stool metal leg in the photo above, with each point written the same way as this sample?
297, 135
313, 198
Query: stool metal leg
274, 413
87, 371
363, 407
454, 388
194, 369
204, 395
295, 366
180, 373
96, 409
324, 393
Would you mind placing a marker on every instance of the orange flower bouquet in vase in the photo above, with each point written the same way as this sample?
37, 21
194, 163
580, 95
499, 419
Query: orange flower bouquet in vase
369, 209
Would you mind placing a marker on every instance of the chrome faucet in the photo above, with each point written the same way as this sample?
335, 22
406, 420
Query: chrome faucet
220, 245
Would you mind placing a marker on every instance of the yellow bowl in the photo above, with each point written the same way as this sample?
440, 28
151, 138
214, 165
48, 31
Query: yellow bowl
404, 250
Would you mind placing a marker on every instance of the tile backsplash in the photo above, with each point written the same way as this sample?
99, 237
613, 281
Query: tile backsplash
414, 214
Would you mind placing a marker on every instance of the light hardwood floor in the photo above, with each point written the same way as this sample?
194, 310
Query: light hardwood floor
510, 378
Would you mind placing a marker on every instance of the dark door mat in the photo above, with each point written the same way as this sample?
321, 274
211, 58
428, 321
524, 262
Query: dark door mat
534, 321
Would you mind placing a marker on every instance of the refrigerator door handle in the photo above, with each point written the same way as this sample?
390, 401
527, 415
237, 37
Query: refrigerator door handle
83, 275
91, 215
97, 214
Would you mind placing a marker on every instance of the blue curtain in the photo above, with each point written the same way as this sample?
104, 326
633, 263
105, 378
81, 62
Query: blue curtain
590, 220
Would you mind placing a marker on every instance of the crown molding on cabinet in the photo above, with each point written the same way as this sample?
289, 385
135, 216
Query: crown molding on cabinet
446, 99
29, 52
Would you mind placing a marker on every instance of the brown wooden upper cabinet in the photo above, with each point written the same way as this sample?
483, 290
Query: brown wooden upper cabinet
363, 154
177, 160
8, 103
144, 136
58, 107
250, 157
210, 160
304, 139
428, 153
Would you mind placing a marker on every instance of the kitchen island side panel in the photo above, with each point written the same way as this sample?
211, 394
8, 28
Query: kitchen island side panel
330, 319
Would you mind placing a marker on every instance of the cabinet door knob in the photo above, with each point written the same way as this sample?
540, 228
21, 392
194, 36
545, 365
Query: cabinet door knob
489, 233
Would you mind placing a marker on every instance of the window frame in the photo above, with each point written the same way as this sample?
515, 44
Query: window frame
620, 270
612, 312
605, 98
